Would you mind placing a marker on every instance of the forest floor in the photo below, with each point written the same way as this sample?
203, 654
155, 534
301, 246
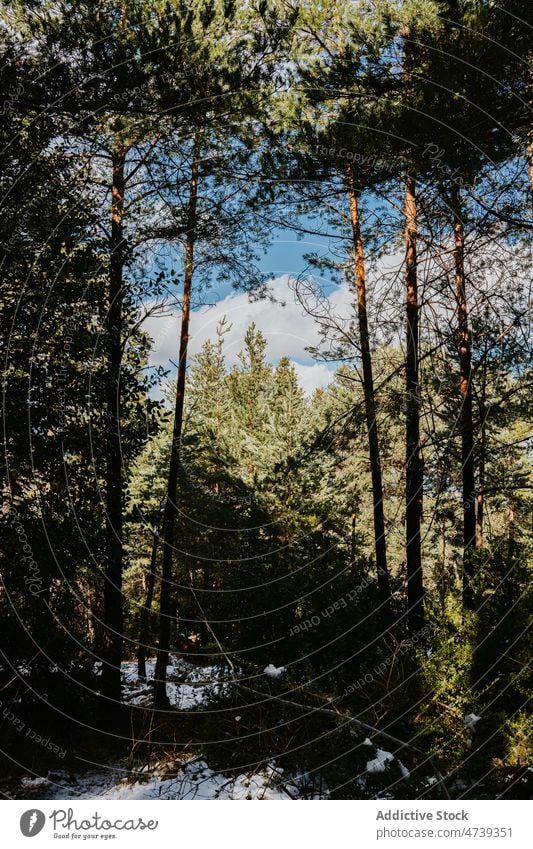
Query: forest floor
190, 687
151, 754
190, 781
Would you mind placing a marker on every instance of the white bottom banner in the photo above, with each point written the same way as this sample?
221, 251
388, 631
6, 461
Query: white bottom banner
230, 825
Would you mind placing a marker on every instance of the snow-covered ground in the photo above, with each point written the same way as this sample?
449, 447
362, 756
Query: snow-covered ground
189, 781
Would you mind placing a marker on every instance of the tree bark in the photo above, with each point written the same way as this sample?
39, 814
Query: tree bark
530, 152
144, 624
370, 405
480, 513
169, 516
413, 463
529, 137
512, 532
113, 598
464, 347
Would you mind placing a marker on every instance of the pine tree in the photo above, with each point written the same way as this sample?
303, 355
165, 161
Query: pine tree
339, 62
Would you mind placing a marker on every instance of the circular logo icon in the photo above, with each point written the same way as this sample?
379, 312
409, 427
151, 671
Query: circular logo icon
32, 822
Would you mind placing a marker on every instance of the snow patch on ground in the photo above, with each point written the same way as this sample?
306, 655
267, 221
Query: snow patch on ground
382, 760
31, 783
379, 763
404, 771
193, 780
471, 720
274, 671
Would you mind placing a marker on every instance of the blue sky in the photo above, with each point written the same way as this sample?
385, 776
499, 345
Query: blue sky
287, 329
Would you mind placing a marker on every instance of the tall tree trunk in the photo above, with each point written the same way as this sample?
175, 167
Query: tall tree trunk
464, 346
370, 404
113, 598
480, 513
529, 136
146, 610
413, 463
530, 164
512, 531
169, 516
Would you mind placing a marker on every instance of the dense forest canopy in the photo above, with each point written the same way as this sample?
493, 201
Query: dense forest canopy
208, 556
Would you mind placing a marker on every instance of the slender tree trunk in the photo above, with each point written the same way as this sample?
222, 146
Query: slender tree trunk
169, 516
480, 513
113, 598
464, 345
529, 134
512, 531
146, 610
413, 462
530, 141
370, 404
530, 157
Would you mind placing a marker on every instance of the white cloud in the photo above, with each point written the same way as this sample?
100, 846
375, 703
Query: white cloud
287, 329
313, 377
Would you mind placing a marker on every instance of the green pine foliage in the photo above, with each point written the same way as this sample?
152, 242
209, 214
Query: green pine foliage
277, 118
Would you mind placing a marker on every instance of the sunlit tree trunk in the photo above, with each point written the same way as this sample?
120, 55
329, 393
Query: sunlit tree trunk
512, 530
370, 403
169, 516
